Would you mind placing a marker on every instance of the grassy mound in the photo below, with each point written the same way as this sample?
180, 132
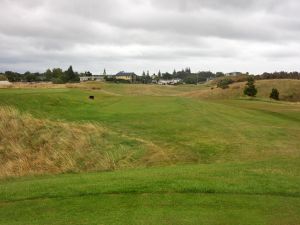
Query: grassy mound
289, 90
33, 146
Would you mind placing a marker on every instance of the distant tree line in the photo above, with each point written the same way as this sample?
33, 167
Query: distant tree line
190, 78
279, 75
55, 75
224, 82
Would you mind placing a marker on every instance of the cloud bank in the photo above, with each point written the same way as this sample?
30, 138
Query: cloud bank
136, 35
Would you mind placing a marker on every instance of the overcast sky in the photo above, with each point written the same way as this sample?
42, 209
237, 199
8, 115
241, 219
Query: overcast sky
137, 35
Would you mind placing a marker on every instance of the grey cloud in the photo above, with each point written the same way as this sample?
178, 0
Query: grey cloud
37, 34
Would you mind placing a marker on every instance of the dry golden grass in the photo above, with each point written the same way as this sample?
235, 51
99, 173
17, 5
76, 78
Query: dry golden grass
30, 146
23, 85
289, 90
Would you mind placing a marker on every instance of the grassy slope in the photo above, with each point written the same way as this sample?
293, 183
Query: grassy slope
289, 90
250, 150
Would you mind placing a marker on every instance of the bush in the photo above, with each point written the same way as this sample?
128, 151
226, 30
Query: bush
274, 94
57, 81
250, 89
3, 78
224, 83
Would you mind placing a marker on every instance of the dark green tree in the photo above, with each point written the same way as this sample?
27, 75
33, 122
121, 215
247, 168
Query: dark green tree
48, 75
250, 89
220, 74
159, 74
274, 94
58, 76
70, 76
88, 74
174, 73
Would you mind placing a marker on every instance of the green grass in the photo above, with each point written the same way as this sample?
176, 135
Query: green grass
216, 161
189, 129
246, 193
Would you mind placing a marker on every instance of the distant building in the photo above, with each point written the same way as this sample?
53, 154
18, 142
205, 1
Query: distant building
233, 74
126, 76
169, 82
154, 77
92, 78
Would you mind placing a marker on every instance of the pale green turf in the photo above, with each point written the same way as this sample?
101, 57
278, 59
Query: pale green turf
245, 157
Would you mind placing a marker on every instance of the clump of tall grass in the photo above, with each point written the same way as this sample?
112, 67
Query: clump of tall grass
30, 146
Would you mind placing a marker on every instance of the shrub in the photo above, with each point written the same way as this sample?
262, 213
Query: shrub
274, 94
3, 78
224, 83
250, 89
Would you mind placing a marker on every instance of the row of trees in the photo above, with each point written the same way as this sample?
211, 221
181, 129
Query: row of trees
192, 78
279, 75
185, 75
56, 75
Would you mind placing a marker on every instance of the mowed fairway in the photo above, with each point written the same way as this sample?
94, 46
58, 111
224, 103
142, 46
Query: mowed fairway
193, 161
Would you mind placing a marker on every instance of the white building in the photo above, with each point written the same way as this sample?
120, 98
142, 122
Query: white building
170, 82
92, 78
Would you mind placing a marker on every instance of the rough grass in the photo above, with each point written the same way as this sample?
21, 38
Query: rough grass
289, 90
30, 146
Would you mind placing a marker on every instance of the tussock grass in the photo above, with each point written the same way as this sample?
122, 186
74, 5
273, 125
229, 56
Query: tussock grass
30, 146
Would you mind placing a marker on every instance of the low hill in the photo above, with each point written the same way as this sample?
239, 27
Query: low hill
289, 90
